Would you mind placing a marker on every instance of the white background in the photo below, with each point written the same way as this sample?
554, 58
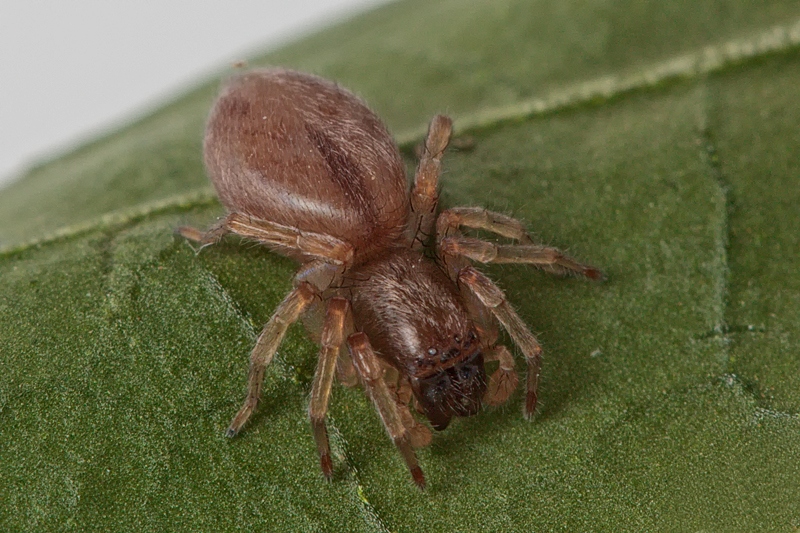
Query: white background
71, 69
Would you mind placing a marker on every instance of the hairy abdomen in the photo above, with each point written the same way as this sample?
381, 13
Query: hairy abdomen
300, 151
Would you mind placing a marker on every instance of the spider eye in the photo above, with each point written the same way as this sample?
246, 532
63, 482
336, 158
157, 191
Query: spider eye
449, 354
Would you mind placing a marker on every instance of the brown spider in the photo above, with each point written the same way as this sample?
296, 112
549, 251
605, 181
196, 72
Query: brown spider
304, 167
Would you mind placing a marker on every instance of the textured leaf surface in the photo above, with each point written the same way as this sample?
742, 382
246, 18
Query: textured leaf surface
656, 139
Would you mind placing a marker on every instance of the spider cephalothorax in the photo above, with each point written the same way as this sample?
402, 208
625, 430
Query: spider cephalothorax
304, 167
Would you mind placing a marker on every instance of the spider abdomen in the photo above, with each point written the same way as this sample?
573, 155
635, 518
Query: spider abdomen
297, 150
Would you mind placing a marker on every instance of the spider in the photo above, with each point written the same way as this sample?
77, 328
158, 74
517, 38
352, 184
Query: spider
385, 285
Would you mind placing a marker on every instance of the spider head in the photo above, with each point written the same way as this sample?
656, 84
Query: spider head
454, 391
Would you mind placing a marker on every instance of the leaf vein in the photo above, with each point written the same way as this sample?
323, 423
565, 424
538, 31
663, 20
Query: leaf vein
778, 39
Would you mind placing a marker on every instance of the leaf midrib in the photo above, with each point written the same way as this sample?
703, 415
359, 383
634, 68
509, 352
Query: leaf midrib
690, 66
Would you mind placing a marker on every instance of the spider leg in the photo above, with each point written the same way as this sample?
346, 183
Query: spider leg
425, 191
550, 259
493, 298
323, 276
288, 311
333, 332
418, 433
286, 238
345, 371
451, 220
504, 380
204, 238
369, 369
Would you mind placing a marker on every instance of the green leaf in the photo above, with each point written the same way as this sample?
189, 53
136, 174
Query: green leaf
655, 139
